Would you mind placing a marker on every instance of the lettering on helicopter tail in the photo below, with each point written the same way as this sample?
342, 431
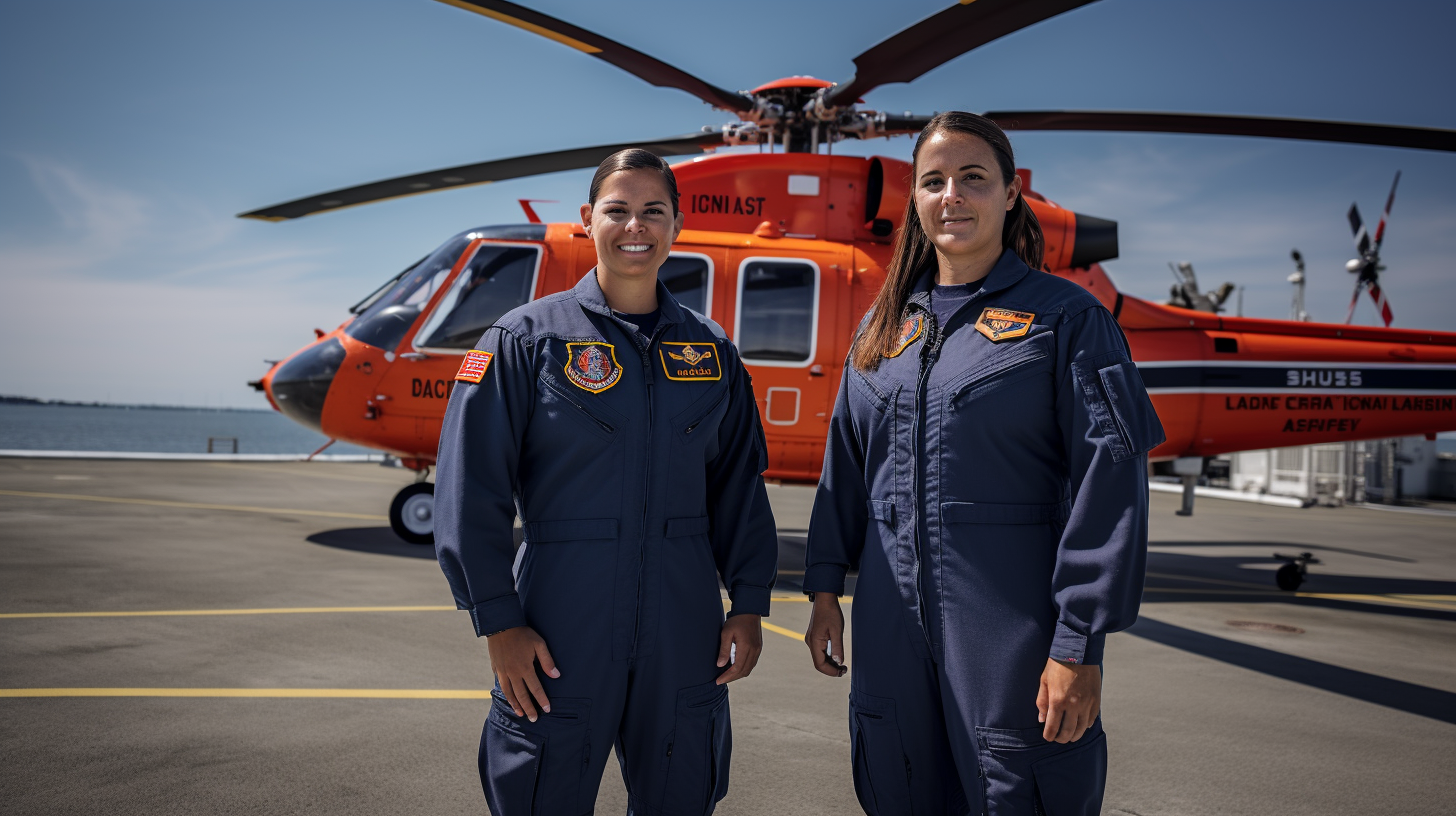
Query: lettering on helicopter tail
472, 368
726, 204
691, 361
1341, 425
1322, 378
1004, 324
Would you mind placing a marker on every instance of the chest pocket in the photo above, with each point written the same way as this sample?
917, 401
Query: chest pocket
1025, 359
867, 392
589, 411
699, 421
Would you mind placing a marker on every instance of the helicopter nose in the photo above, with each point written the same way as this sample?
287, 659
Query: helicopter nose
300, 386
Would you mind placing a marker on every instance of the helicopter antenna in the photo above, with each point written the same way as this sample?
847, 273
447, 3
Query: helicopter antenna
1296, 309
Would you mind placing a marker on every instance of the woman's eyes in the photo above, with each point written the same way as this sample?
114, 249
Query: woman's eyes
621, 211
936, 182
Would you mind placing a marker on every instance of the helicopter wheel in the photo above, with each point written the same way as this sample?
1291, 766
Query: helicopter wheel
1289, 577
412, 513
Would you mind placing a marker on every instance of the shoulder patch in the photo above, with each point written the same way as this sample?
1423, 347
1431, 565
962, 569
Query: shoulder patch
472, 368
592, 366
690, 361
910, 331
1004, 324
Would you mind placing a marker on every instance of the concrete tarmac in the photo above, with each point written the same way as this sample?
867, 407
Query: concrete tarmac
198, 637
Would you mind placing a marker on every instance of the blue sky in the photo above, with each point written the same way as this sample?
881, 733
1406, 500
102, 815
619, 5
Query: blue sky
132, 133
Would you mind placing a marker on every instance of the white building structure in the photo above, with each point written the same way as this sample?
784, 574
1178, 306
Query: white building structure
1383, 470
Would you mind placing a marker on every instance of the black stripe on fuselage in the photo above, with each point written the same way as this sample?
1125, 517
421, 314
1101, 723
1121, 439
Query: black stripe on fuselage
1213, 377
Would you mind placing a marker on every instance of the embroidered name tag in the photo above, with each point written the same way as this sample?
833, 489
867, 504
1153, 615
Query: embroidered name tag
690, 361
910, 331
593, 366
1004, 324
473, 367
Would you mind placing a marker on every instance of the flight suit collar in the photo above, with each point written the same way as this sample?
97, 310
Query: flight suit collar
589, 294
1008, 271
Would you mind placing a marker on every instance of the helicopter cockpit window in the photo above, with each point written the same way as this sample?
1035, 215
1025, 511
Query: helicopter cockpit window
778, 309
496, 280
689, 279
385, 322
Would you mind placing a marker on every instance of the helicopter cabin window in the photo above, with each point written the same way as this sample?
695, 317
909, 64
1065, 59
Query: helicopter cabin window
497, 279
690, 279
384, 323
778, 311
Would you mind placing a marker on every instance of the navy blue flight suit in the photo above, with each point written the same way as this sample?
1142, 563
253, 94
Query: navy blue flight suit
635, 467
989, 482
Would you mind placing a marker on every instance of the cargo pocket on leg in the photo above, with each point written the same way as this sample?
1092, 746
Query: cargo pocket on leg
1071, 783
881, 768
531, 768
698, 751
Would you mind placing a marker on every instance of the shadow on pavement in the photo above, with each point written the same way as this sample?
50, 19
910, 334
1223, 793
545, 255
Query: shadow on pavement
1372, 688
376, 540
1181, 577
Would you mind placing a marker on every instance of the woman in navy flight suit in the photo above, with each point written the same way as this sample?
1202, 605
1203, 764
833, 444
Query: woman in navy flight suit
986, 473
622, 429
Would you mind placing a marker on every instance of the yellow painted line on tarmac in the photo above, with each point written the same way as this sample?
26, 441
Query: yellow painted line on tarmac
162, 613
313, 472
1384, 600
375, 694
779, 630
239, 508
1443, 602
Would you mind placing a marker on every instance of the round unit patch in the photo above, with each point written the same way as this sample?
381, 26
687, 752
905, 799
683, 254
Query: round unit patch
593, 366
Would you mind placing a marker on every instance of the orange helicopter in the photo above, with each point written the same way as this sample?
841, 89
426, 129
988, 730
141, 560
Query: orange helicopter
787, 248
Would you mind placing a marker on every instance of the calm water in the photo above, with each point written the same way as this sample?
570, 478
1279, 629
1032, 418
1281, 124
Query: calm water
154, 430
183, 430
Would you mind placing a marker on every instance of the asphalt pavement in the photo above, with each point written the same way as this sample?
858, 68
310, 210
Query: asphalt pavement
230, 638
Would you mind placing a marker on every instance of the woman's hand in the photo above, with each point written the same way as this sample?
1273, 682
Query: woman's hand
1069, 701
741, 642
825, 637
513, 656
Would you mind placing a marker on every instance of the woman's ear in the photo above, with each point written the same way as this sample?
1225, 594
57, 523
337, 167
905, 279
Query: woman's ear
586, 212
1012, 191
677, 224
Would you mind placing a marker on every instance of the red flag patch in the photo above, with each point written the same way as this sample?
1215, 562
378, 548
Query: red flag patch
473, 367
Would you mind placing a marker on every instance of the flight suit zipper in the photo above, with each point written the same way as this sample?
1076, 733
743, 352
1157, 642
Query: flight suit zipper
929, 353
646, 352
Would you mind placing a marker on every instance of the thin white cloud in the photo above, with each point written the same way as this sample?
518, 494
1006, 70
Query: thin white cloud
114, 233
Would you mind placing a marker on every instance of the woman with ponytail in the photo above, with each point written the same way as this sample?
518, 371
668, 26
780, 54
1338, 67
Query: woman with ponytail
986, 474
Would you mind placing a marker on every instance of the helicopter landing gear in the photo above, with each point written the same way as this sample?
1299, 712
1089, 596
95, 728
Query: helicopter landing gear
1291, 575
412, 513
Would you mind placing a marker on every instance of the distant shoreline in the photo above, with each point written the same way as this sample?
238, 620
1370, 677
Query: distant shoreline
12, 400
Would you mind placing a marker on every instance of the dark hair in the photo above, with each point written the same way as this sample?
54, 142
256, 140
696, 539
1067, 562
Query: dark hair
913, 250
634, 158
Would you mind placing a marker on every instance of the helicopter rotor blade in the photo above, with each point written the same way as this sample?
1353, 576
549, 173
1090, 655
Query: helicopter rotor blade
901, 125
1219, 125
1357, 226
940, 38
634, 62
1380, 230
482, 173
1354, 299
1381, 304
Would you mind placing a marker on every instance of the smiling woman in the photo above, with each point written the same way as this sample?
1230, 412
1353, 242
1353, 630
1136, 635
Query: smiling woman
623, 430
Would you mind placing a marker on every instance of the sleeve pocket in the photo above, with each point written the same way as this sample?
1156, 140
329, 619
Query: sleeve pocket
1118, 402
